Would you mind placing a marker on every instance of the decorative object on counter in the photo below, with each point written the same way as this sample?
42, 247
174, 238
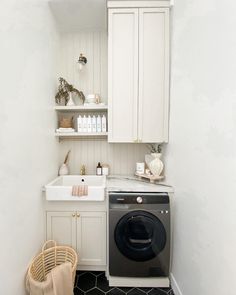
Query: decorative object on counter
154, 148
82, 61
153, 161
65, 91
148, 172
150, 177
99, 169
140, 168
66, 122
105, 169
82, 170
64, 169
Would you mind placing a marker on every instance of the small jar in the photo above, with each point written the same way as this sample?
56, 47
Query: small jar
105, 169
140, 167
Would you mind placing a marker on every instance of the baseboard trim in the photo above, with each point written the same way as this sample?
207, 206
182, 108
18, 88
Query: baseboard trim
161, 282
174, 285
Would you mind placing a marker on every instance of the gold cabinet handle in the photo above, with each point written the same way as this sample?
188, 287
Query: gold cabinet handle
78, 215
73, 215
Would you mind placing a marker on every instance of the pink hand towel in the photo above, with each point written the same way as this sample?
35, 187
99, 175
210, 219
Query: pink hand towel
79, 190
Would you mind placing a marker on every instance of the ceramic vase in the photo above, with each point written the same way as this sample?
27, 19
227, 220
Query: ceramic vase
63, 170
154, 163
70, 102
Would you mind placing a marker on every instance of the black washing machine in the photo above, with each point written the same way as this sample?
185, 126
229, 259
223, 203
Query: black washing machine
139, 234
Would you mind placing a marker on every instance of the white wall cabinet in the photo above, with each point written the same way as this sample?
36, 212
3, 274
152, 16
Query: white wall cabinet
138, 74
84, 231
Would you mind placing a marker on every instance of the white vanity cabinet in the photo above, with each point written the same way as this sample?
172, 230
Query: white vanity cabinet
83, 230
138, 72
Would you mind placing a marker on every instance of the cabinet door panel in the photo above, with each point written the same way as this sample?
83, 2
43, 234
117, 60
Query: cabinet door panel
61, 227
122, 74
91, 238
153, 74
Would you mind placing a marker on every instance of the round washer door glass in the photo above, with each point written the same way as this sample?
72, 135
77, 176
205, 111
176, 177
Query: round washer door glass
140, 235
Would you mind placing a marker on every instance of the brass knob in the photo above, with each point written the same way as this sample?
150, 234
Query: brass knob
78, 215
73, 215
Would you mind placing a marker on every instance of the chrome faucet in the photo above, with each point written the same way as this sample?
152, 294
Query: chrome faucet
82, 170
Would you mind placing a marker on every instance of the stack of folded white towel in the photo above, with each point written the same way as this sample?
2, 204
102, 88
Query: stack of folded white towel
65, 130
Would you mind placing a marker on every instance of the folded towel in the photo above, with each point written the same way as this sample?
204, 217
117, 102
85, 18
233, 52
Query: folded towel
79, 190
64, 130
62, 279
58, 282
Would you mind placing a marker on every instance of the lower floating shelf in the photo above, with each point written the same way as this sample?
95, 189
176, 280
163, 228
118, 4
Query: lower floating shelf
81, 135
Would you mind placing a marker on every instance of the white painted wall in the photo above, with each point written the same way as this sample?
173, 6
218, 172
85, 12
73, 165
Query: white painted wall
201, 155
28, 149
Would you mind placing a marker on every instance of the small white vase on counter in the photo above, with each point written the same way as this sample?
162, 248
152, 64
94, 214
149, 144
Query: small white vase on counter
154, 163
63, 170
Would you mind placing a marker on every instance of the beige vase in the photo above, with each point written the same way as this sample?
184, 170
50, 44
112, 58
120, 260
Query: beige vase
63, 170
154, 163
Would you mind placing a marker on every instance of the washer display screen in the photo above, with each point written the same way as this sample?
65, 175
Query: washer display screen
140, 235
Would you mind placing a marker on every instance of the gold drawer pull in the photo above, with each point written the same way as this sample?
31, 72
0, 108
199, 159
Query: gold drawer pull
73, 215
78, 215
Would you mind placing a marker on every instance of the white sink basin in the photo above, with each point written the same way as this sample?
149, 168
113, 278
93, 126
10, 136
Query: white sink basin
60, 189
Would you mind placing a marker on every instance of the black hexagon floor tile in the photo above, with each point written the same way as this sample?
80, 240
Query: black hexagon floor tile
86, 281
77, 291
102, 283
136, 291
157, 291
125, 289
95, 291
95, 283
97, 273
115, 291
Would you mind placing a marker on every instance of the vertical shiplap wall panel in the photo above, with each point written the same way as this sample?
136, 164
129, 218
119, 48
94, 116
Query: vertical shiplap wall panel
120, 157
93, 79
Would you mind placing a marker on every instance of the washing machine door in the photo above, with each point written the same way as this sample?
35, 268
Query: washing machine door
140, 235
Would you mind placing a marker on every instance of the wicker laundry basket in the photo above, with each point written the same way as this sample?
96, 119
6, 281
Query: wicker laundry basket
49, 258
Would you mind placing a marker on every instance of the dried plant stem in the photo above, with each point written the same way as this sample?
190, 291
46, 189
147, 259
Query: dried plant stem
67, 157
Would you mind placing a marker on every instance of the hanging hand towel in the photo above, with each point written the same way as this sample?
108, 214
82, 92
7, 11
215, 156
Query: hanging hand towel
79, 190
62, 279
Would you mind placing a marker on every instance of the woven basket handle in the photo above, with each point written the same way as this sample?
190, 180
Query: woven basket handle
47, 242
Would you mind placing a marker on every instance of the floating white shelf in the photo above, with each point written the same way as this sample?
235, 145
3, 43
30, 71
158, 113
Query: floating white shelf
79, 134
81, 108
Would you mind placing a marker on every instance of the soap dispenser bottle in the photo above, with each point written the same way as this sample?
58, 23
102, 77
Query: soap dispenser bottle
99, 123
99, 169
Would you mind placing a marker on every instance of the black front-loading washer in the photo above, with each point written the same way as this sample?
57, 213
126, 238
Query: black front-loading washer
139, 234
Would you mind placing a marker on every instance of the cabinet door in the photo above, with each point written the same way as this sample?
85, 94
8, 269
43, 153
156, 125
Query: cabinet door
122, 74
91, 238
61, 227
153, 74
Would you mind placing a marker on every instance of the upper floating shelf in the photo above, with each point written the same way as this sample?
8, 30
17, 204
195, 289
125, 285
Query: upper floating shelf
81, 108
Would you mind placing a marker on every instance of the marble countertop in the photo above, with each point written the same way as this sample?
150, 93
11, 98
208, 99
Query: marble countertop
134, 184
